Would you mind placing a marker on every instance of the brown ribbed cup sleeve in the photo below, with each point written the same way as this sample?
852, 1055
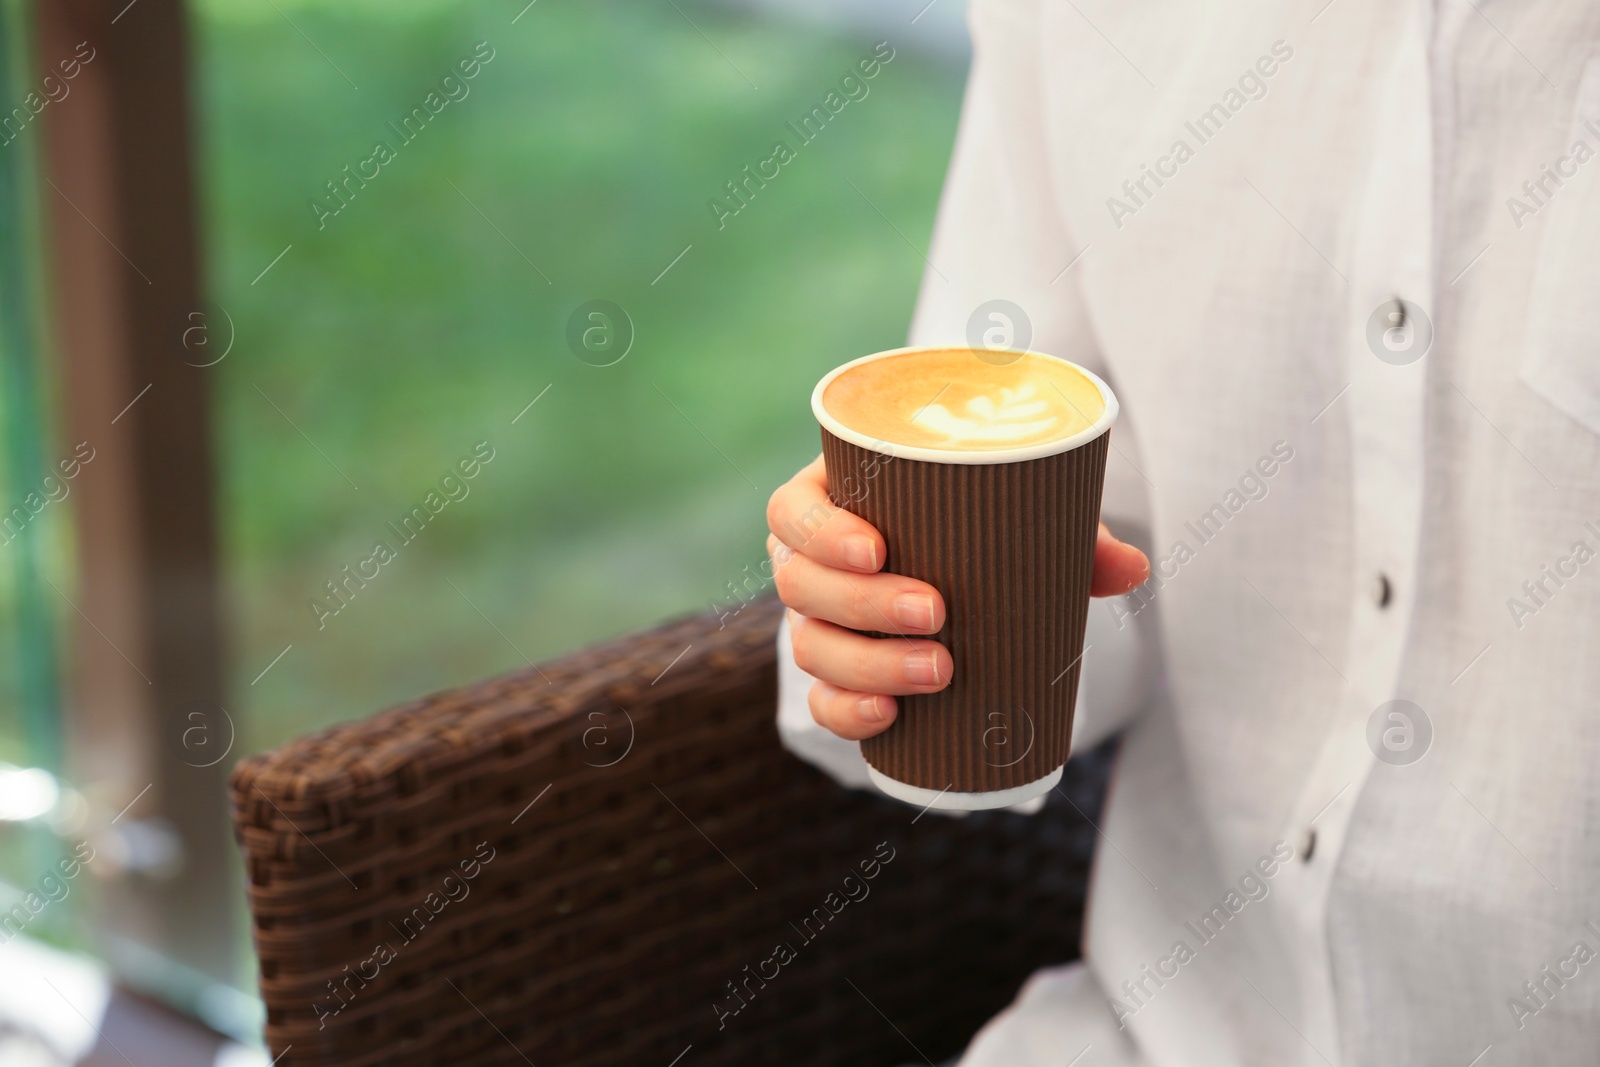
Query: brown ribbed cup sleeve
1011, 548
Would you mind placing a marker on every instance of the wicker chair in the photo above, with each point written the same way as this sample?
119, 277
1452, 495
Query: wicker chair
594, 862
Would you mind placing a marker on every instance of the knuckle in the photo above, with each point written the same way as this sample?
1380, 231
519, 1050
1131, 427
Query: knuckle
775, 508
781, 553
817, 700
861, 609
787, 582
875, 664
804, 649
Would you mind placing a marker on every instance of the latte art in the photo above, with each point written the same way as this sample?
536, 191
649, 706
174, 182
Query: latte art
1019, 415
953, 399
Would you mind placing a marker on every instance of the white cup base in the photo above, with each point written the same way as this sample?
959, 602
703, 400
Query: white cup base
946, 800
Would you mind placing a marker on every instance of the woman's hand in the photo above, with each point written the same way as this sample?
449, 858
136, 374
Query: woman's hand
826, 567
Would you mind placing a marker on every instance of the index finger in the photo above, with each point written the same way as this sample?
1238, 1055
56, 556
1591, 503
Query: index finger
800, 516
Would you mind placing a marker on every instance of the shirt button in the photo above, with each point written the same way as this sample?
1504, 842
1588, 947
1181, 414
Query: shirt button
1308, 843
1382, 591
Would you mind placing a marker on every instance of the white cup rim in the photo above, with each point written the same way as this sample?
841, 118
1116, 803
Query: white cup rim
941, 455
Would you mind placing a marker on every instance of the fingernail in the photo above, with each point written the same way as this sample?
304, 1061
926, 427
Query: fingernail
870, 709
922, 668
861, 553
914, 611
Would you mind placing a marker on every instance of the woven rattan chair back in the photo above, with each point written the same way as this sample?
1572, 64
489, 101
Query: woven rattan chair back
610, 860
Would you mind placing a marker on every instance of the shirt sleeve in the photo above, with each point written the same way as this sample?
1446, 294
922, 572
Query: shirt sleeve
1002, 267
1000, 238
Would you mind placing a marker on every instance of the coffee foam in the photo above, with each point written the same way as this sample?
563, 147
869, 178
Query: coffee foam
964, 400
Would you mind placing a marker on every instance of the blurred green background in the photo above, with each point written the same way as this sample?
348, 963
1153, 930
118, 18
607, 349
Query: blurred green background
370, 355
413, 325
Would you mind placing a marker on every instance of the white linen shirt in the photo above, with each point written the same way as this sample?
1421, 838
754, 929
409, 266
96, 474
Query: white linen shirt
1215, 207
